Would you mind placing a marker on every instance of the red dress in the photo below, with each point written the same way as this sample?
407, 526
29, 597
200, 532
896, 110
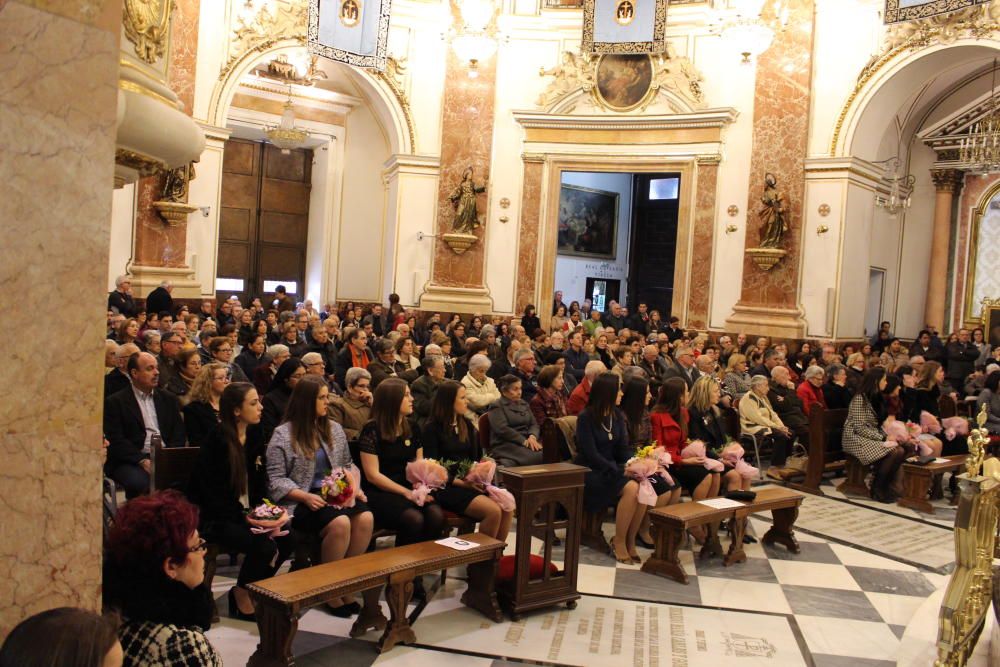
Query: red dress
667, 434
809, 395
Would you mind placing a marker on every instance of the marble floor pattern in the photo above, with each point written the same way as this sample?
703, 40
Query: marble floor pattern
846, 606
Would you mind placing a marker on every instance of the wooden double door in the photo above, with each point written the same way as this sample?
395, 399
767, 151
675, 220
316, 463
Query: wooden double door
264, 221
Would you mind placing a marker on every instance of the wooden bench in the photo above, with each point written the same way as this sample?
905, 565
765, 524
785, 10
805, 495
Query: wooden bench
670, 523
917, 480
825, 428
854, 484
281, 600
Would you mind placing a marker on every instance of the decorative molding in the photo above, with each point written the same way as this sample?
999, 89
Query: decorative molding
709, 118
394, 77
147, 26
265, 29
948, 180
975, 23
143, 164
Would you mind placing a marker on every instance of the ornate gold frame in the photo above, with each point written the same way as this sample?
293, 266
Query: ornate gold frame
644, 100
989, 307
895, 14
970, 272
614, 238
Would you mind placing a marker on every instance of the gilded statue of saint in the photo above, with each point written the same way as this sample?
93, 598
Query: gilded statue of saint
464, 200
772, 216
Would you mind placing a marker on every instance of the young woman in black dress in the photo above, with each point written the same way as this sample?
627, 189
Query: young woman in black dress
228, 468
449, 435
387, 444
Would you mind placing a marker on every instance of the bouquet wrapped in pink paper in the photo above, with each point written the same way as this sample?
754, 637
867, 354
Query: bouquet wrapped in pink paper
695, 449
341, 488
425, 475
663, 462
914, 429
896, 431
482, 473
732, 454
929, 423
955, 426
268, 519
641, 469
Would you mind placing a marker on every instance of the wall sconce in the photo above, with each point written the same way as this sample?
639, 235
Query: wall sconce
730, 229
822, 229
476, 39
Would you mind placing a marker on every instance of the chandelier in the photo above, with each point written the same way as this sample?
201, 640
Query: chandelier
749, 32
979, 151
900, 187
286, 136
476, 40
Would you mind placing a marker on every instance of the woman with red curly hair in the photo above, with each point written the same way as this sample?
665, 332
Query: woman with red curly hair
153, 574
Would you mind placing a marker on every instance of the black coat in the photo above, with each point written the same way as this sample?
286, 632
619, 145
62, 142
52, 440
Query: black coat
345, 361
676, 372
200, 421
126, 431
329, 353
837, 397
211, 488
114, 382
788, 405
159, 300
249, 362
924, 399
708, 427
275, 402
530, 323
961, 362
123, 303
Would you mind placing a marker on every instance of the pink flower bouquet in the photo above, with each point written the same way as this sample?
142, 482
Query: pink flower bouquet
695, 449
732, 454
268, 519
641, 469
663, 461
896, 431
955, 426
482, 473
341, 488
929, 423
425, 475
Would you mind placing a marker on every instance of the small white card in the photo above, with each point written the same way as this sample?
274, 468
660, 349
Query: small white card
942, 461
456, 544
721, 503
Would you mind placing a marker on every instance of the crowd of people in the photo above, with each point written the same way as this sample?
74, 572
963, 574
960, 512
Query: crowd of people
276, 396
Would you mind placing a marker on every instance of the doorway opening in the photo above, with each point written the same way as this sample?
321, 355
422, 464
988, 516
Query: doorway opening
617, 239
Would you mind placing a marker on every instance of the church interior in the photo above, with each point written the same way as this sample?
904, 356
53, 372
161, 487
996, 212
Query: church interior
315, 243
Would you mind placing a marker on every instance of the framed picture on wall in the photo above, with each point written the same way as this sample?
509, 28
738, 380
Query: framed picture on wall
991, 321
588, 222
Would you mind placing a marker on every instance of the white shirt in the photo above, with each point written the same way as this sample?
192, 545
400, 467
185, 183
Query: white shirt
148, 409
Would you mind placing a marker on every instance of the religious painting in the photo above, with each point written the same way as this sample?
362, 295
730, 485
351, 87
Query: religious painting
350, 11
991, 321
897, 11
623, 81
588, 222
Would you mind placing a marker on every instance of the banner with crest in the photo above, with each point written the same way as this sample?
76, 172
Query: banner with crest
355, 32
624, 26
897, 11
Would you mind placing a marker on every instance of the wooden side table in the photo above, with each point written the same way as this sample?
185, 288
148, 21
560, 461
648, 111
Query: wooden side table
917, 480
549, 497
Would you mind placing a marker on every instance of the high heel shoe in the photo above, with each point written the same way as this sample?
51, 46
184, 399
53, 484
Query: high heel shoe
234, 609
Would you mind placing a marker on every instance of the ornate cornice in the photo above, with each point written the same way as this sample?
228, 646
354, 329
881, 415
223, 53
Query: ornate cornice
709, 118
265, 29
394, 77
948, 180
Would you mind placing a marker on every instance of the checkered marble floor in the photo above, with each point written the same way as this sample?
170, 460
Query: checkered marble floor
847, 606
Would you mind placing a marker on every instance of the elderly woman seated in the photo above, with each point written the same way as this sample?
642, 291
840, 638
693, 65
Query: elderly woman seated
513, 430
353, 410
736, 381
759, 419
480, 389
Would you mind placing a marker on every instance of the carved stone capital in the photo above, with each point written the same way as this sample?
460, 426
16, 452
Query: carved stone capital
948, 180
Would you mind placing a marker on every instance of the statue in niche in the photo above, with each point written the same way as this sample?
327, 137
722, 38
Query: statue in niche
464, 200
772, 216
175, 188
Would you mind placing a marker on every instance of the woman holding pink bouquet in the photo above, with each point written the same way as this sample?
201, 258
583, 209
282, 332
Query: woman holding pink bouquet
448, 435
304, 449
387, 445
602, 444
229, 467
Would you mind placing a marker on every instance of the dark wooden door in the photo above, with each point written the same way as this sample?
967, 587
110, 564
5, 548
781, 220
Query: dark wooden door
653, 249
264, 222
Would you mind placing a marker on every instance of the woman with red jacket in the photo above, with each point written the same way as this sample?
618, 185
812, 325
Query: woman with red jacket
669, 425
811, 389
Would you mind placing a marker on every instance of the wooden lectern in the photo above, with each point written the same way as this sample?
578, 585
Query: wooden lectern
549, 497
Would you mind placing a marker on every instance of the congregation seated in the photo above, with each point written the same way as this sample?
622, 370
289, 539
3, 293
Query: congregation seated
835, 390
481, 389
424, 387
63, 637
154, 567
736, 381
758, 418
705, 423
131, 417
220, 350
786, 403
276, 399
549, 401
302, 450
171, 344
581, 394
990, 398
188, 366
524, 370
810, 390
384, 364
118, 379
201, 404
353, 410
865, 440
449, 435
264, 374
354, 354
684, 367
514, 432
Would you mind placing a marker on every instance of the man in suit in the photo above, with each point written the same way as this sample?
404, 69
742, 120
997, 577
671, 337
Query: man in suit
118, 378
131, 417
653, 366
685, 368
159, 299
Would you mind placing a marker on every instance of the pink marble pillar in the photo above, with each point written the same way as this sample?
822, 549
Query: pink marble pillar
947, 183
702, 244
527, 255
769, 303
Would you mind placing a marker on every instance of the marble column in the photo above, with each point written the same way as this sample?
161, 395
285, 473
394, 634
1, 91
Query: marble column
458, 280
769, 302
160, 251
58, 100
700, 288
947, 183
527, 249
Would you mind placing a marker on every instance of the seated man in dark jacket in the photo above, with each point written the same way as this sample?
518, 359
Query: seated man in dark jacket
787, 404
131, 417
118, 378
425, 387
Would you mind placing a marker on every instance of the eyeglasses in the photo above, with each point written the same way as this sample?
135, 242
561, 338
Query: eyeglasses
225, 349
201, 546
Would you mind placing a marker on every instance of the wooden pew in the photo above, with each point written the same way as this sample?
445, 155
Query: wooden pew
281, 600
557, 447
171, 467
854, 484
825, 426
671, 522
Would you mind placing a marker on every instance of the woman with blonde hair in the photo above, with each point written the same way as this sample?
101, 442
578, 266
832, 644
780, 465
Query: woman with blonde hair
736, 381
201, 403
706, 424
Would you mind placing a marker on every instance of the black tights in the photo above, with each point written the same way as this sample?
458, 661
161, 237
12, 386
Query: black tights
417, 524
885, 471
